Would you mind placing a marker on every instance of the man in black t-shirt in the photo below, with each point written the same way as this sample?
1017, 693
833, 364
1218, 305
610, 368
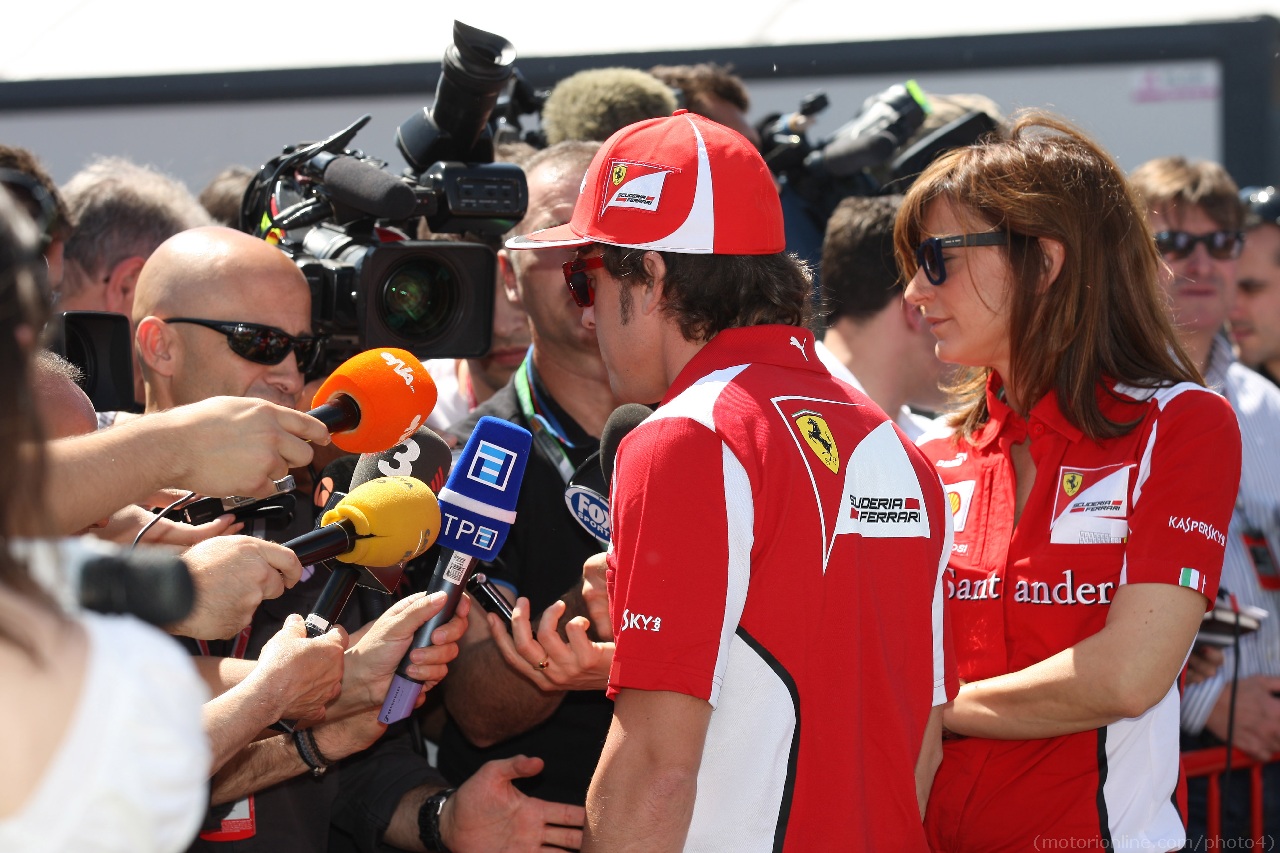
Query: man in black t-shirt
561, 391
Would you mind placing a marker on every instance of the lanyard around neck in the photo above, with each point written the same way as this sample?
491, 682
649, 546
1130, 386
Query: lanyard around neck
548, 435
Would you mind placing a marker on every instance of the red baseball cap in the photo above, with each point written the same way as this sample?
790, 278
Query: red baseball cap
682, 183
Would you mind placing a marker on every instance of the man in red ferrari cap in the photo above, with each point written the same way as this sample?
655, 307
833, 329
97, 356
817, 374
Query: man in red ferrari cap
775, 567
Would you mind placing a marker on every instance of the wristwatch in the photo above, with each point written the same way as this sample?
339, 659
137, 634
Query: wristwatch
310, 753
429, 821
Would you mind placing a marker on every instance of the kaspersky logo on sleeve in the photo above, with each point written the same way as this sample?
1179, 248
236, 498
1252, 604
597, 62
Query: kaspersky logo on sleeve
635, 185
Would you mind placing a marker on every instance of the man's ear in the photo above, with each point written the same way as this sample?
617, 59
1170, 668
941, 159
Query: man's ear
157, 345
1055, 254
122, 280
655, 275
507, 271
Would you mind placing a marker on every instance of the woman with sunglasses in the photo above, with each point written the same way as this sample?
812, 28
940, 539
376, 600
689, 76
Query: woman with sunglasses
1090, 478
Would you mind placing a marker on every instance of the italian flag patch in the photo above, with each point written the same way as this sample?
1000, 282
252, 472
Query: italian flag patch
1189, 578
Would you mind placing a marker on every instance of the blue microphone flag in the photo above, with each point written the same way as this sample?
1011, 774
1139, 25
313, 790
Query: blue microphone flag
478, 501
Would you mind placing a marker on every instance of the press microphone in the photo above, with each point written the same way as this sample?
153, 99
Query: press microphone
477, 507
621, 421
425, 457
375, 400
380, 523
84, 573
588, 504
355, 183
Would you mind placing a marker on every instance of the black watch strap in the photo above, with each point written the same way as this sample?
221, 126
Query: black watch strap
429, 821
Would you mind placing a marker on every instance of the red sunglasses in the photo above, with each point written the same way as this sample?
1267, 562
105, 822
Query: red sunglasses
580, 286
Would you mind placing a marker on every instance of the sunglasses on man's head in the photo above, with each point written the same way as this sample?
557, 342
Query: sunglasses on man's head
262, 344
1222, 245
575, 275
929, 252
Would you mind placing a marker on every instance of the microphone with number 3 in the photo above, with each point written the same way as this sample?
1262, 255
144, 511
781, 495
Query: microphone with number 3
477, 507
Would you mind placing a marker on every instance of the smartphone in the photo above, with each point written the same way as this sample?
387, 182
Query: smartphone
490, 597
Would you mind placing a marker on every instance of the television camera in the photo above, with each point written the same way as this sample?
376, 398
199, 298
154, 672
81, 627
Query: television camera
350, 225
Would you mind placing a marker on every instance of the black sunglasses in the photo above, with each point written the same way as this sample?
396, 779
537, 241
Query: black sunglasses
1223, 245
575, 275
929, 252
263, 344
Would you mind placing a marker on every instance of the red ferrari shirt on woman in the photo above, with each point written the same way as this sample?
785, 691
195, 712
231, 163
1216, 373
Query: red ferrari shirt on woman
778, 548
1150, 506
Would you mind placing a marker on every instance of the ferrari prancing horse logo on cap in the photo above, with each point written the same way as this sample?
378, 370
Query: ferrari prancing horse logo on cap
619, 173
816, 433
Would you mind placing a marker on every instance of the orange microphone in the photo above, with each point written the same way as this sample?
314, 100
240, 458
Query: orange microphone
375, 400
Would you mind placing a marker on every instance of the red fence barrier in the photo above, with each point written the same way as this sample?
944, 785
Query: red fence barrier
1212, 761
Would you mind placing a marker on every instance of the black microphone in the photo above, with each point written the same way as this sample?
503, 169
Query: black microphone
622, 421
85, 573
354, 183
424, 456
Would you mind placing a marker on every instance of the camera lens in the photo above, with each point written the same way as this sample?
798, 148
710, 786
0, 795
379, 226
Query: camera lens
419, 299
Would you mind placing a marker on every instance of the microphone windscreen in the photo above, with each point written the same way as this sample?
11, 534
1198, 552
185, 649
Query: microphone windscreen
367, 188
150, 584
393, 391
424, 456
622, 421
395, 519
479, 499
336, 477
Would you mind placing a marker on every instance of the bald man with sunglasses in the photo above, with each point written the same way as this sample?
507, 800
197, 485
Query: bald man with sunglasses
219, 313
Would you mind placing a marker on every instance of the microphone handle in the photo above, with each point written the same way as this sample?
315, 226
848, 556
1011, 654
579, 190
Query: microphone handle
452, 573
327, 609
340, 414
333, 598
323, 543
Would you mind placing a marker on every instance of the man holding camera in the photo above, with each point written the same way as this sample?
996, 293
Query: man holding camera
747, 533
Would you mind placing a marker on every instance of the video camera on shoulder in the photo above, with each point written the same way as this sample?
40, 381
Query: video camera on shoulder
347, 223
871, 154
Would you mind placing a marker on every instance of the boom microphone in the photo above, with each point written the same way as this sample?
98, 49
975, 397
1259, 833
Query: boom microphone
354, 183
388, 385
478, 505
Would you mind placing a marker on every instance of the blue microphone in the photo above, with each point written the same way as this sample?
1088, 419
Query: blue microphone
477, 507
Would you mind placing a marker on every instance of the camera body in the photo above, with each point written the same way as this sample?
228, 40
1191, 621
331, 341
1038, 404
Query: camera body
348, 224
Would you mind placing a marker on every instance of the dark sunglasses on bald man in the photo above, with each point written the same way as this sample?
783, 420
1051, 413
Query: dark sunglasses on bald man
1222, 245
929, 252
575, 275
262, 344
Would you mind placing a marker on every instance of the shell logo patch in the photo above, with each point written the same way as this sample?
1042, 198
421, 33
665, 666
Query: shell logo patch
816, 434
619, 173
954, 501
1071, 482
